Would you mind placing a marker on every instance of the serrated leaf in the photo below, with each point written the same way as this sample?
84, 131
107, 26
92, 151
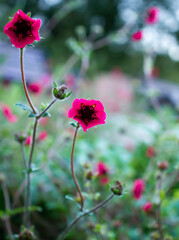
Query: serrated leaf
54, 84
73, 124
32, 114
24, 107
68, 94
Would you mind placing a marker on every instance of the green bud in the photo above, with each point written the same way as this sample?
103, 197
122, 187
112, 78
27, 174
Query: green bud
117, 189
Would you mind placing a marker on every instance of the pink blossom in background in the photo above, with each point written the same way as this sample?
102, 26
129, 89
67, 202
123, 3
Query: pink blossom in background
28, 141
44, 121
88, 113
101, 168
104, 180
147, 207
42, 135
35, 87
150, 152
137, 36
8, 114
22, 29
152, 15
138, 188
69, 80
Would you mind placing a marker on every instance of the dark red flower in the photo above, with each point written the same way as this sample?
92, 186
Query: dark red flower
42, 135
8, 114
137, 36
138, 188
22, 29
152, 15
147, 206
88, 113
150, 152
101, 168
35, 87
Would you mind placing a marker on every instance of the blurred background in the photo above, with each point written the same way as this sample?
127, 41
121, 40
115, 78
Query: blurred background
91, 47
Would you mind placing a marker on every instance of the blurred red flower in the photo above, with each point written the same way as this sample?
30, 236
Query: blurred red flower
8, 114
42, 135
152, 15
88, 113
101, 168
138, 188
28, 141
150, 152
43, 121
22, 29
104, 180
137, 36
147, 206
35, 87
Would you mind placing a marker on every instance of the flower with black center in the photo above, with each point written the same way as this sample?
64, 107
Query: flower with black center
88, 113
22, 29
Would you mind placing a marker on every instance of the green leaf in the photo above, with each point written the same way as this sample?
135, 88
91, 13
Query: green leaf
55, 92
32, 114
162, 195
54, 84
29, 14
69, 197
34, 168
68, 94
46, 114
24, 107
43, 106
42, 38
63, 96
73, 124
10, 18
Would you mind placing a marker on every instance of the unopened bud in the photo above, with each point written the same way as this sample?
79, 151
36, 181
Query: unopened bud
162, 165
89, 175
60, 92
26, 235
20, 137
117, 189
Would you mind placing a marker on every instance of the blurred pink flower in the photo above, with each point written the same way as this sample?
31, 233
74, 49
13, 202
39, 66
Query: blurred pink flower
69, 80
42, 135
43, 121
22, 29
101, 168
88, 113
28, 141
8, 114
150, 152
147, 206
35, 87
137, 36
104, 180
152, 15
138, 188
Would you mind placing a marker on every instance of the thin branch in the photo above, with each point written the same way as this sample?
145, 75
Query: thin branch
23, 155
81, 215
41, 114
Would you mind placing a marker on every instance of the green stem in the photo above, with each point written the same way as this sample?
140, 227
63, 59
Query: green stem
75, 221
72, 169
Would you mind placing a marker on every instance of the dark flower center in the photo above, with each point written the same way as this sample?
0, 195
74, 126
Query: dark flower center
22, 28
87, 113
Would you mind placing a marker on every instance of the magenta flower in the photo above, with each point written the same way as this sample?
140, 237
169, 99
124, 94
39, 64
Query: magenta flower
35, 87
42, 135
138, 188
22, 29
8, 114
88, 113
137, 36
101, 168
104, 180
152, 15
147, 207
28, 141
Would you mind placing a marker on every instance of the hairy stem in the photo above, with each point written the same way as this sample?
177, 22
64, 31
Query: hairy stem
24, 83
72, 169
81, 215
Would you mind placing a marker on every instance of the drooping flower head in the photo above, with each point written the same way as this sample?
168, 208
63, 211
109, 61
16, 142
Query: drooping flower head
8, 114
138, 188
22, 29
88, 113
147, 207
137, 36
152, 15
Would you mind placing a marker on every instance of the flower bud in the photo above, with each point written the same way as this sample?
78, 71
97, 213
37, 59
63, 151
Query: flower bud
89, 175
60, 92
162, 165
20, 137
26, 235
117, 189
